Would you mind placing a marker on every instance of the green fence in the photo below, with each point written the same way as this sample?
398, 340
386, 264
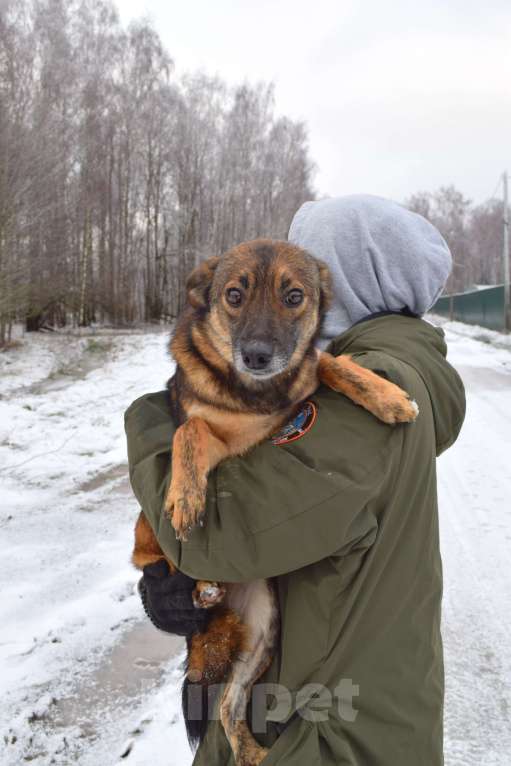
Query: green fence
484, 307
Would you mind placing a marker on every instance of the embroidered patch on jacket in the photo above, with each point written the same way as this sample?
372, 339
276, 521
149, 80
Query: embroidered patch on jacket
298, 426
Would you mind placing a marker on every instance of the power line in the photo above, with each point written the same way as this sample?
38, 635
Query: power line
505, 253
497, 186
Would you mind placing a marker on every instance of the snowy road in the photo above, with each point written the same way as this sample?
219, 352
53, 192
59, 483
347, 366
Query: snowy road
83, 678
475, 514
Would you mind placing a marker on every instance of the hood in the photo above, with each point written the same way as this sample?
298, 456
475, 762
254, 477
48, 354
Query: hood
422, 346
382, 257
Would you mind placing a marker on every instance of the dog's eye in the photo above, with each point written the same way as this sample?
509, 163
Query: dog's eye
234, 296
293, 298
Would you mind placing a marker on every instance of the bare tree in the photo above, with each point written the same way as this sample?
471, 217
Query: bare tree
115, 177
465, 230
16, 71
486, 235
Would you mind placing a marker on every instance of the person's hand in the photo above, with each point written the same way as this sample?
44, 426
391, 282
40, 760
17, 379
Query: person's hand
167, 600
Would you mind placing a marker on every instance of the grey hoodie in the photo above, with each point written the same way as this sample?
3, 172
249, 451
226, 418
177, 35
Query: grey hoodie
382, 257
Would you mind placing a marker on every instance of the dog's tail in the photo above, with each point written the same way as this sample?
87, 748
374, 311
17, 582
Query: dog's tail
209, 658
196, 703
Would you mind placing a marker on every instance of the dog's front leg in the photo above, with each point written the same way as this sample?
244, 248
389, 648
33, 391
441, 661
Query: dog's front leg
379, 396
196, 450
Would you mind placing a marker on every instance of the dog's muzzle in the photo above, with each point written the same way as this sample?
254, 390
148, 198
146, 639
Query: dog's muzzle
259, 360
257, 355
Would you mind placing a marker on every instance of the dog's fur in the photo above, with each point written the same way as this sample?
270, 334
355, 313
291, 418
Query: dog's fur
242, 369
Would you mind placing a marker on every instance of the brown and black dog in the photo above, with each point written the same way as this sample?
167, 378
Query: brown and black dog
245, 349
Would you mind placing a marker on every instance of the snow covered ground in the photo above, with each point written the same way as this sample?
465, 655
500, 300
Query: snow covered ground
475, 515
77, 660
83, 678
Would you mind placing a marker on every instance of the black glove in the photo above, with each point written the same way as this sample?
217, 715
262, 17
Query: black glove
167, 600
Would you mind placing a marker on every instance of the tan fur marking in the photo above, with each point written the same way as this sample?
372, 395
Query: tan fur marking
247, 751
379, 396
212, 652
147, 549
199, 280
195, 451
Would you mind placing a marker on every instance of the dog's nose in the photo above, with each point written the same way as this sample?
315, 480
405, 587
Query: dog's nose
257, 354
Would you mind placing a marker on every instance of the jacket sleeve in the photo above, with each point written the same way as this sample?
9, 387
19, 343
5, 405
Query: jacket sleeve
278, 508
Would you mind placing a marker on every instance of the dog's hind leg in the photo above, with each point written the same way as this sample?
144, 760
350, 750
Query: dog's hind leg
257, 605
211, 654
379, 396
195, 452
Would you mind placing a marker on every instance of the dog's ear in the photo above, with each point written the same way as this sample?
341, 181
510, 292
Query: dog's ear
199, 282
325, 287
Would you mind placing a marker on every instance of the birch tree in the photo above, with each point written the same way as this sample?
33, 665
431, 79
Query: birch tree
116, 177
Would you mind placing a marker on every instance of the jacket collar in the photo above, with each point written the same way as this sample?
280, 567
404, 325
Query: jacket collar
405, 312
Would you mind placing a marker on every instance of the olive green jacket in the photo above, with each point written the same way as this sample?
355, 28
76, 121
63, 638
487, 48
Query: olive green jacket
345, 518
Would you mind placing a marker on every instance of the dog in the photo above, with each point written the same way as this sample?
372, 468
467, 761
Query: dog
246, 356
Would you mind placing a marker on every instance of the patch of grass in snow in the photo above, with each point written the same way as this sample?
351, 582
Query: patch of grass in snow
10, 345
95, 346
483, 338
64, 369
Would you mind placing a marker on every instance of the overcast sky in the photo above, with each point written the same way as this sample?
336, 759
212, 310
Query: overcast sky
398, 96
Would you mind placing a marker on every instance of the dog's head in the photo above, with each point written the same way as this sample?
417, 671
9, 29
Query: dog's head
263, 302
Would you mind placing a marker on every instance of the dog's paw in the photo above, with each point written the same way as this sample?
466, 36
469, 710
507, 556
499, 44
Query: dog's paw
396, 407
207, 594
260, 756
186, 507
247, 752
253, 757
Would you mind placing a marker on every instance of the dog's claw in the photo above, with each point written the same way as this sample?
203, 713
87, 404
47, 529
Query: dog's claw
395, 406
207, 595
405, 411
185, 507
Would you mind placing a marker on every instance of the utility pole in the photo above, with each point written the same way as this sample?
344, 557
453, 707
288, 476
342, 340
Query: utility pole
505, 255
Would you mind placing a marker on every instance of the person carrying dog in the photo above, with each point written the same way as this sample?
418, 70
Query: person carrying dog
338, 508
